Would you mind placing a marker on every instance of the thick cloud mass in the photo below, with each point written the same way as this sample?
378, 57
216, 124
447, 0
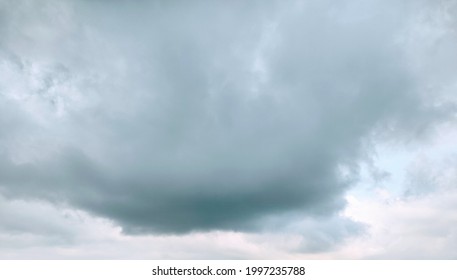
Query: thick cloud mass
167, 116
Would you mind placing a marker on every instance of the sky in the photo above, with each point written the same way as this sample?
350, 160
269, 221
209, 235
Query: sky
228, 129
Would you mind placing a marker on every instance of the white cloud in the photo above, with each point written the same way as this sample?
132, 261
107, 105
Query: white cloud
415, 228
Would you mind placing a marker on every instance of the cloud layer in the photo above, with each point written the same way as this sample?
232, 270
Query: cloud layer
171, 117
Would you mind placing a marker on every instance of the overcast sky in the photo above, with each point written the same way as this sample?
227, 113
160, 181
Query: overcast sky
228, 129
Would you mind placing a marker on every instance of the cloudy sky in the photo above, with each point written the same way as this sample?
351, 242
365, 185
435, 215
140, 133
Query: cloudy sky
158, 129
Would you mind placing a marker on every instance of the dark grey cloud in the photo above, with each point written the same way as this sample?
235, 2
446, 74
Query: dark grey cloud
176, 116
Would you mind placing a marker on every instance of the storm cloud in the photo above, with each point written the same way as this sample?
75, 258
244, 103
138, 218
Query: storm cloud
172, 116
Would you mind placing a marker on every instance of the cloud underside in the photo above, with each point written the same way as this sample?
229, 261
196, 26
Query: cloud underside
171, 117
